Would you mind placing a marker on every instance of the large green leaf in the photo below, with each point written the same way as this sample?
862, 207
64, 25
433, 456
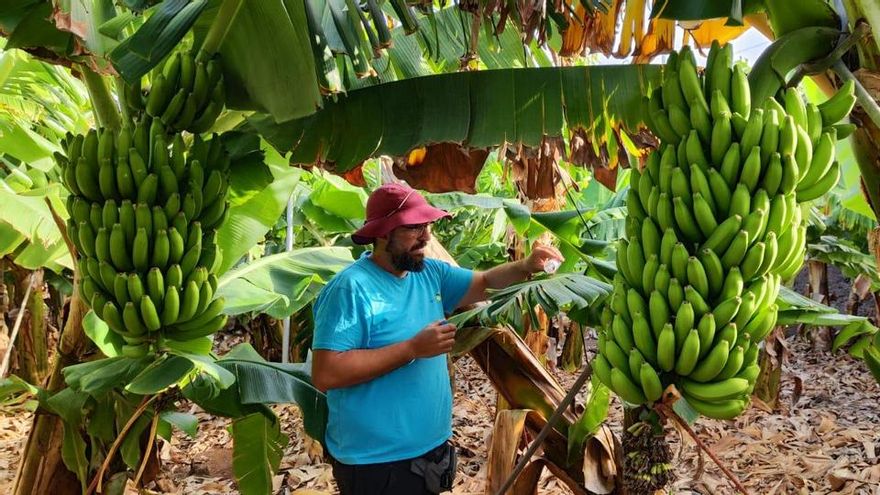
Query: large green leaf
283, 283
258, 444
252, 216
70, 406
262, 382
97, 377
690, 10
26, 24
156, 38
786, 16
569, 291
268, 61
478, 109
335, 195
109, 342
797, 309
185, 422
595, 412
160, 375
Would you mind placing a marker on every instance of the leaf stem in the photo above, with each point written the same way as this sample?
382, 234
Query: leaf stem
220, 27
106, 111
123, 104
862, 96
97, 481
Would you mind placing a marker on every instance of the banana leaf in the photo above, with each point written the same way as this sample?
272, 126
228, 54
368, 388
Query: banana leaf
156, 38
477, 109
690, 10
26, 214
797, 309
281, 284
786, 16
281, 81
257, 198
572, 292
26, 25
258, 444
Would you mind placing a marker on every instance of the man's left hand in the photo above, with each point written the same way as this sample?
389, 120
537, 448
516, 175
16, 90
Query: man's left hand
541, 254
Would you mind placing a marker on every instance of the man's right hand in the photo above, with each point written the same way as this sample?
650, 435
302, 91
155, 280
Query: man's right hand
433, 340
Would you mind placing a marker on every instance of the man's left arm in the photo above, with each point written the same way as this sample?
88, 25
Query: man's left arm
508, 274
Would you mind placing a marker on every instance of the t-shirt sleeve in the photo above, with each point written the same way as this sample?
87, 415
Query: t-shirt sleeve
341, 318
454, 284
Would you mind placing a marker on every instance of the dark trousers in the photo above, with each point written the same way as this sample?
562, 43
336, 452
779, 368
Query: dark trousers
384, 478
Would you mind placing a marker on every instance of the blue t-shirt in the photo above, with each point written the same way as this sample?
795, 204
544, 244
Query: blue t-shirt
408, 411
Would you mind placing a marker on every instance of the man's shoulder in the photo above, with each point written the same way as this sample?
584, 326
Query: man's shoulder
354, 275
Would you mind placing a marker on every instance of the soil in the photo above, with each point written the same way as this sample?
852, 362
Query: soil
824, 439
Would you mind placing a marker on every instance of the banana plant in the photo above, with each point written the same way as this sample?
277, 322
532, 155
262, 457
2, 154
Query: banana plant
39, 104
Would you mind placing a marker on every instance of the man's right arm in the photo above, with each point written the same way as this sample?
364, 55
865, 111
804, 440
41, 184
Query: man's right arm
334, 369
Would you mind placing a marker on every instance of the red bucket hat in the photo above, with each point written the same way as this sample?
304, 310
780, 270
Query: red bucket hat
393, 205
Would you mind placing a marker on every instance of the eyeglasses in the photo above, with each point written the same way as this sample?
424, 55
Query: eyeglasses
418, 229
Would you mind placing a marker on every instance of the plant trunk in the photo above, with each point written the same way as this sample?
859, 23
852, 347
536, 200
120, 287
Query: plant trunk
31, 343
818, 274
536, 172
573, 348
265, 335
42, 470
772, 358
647, 458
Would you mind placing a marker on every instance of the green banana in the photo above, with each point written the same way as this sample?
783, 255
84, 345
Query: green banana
666, 348
714, 271
725, 409
740, 92
650, 381
675, 294
619, 330
701, 121
709, 367
644, 338
834, 109
694, 150
678, 262
721, 193
602, 369
704, 216
149, 315
132, 319
729, 388
734, 363
684, 323
689, 354
625, 388
697, 277
685, 220
822, 186
721, 139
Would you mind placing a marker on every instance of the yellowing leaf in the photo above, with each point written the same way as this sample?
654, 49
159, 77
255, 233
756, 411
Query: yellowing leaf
716, 29
660, 39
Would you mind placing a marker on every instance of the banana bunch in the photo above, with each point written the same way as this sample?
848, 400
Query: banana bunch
144, 210
188, 94
714, 226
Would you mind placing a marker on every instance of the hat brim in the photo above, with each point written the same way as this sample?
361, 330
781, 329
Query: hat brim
380, 227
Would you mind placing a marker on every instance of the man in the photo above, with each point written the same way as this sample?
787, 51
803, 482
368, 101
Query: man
379, 349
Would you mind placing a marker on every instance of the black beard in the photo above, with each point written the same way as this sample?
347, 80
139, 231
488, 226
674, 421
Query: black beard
404, 261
